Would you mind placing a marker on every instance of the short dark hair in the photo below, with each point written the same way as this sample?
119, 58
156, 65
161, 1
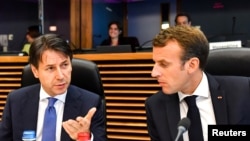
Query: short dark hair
34, 31
48, 42
183, 14
191, 39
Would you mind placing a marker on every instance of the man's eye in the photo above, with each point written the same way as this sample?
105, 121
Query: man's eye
65, 64
49, 68
163, 64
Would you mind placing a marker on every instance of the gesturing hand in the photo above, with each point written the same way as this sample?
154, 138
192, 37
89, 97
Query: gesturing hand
80, 124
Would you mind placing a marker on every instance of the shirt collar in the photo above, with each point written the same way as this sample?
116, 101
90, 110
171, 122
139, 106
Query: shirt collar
44, 95
201, 90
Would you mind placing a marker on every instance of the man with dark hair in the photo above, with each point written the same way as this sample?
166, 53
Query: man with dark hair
32, 33
183, 19
71, 109
180, 54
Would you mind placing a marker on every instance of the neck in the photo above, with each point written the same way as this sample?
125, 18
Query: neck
114, 41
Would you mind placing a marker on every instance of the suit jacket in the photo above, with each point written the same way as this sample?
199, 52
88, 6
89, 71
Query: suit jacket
163, 111
21, 110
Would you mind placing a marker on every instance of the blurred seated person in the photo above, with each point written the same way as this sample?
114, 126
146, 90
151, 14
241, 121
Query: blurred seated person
183, 19
115, 37
32, 33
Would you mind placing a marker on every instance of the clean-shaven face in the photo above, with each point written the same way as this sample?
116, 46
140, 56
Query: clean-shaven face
170, 71
54, 72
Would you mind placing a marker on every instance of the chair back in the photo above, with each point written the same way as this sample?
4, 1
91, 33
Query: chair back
229, 61
85, 74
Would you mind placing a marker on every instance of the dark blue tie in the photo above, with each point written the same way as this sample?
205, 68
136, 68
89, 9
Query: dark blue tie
195, 129
49, 125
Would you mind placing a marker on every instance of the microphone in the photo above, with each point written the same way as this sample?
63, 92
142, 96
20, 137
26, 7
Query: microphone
183, 126
144, 43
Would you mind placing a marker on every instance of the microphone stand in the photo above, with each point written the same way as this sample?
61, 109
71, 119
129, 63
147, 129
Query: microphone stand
141, 46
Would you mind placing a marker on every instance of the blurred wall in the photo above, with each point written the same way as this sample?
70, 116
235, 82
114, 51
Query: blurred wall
144, 18
221, 20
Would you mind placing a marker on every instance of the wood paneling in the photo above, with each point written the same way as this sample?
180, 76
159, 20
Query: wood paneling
10, 76
127, 83
75, 23
81, 23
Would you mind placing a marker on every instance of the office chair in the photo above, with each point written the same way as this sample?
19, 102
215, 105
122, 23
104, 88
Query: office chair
133, 41
229, 61
85, 74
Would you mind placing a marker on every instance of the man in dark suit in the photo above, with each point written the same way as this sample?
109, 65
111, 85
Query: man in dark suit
77, 110
180, 55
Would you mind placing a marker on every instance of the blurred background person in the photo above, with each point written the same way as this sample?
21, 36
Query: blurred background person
183, 19
32, 33
114, 34
115, 37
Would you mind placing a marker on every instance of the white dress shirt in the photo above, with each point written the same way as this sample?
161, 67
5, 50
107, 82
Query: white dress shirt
59, 106
204, 103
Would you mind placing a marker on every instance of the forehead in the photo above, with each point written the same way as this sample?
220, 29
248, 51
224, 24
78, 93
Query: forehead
52, 57
182, 18
113, 26
171, 50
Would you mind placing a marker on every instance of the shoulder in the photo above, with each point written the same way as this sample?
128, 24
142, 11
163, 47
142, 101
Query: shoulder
30, 93
230, 80
160, 96
82, 97
123, 40
24, 91
105, 42
82, 93
26, 48
236, 86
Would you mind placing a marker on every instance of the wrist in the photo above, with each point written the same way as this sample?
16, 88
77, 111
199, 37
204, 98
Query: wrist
83, 136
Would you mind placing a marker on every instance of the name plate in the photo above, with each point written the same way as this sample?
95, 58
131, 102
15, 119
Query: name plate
227, 44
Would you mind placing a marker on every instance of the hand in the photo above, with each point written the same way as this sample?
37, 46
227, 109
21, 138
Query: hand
81, 124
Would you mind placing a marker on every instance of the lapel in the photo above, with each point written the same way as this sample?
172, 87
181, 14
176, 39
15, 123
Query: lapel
219, 101
29, 104
173, 114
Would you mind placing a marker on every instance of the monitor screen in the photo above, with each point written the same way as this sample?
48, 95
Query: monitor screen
114, 49
13, 53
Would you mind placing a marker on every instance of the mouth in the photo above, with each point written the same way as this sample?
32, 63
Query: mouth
161, 83
61, 85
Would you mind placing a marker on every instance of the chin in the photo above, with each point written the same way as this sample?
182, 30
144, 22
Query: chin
167, 91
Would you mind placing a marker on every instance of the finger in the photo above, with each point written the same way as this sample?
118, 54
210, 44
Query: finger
90, 113
71, 125
68, 129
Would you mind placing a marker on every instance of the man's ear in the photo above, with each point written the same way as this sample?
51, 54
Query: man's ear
193, 64
34, 70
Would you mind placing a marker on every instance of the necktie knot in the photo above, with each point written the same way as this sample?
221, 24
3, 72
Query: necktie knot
191, 100
51, 101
